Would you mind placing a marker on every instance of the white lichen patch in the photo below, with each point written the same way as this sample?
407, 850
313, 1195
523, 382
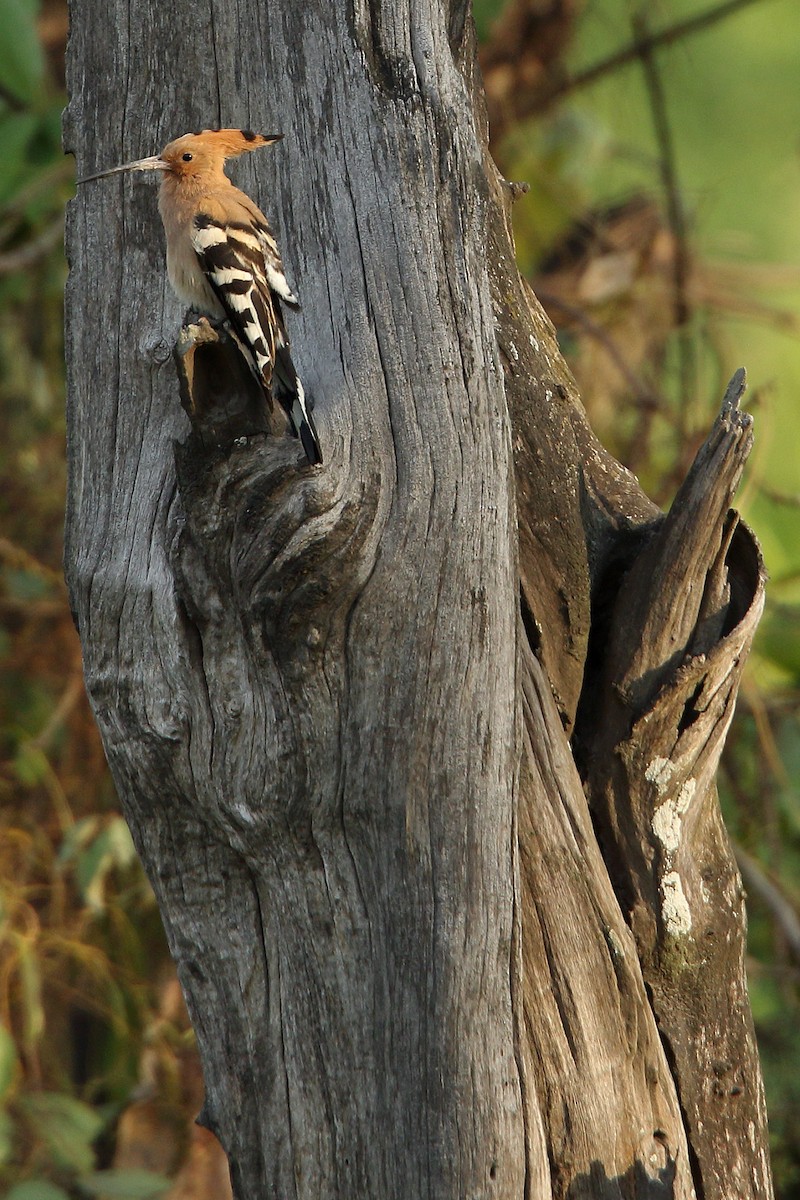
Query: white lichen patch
660, 772
666, 824
675, 909
668, 817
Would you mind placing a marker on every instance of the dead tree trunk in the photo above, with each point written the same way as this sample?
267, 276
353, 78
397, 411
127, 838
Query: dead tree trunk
336, 703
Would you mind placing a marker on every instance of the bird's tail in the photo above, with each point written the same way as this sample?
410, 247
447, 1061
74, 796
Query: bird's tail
303, 426
289, 391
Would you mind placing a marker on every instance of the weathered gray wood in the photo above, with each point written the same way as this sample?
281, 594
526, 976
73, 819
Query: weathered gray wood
603, 1086
344, 766
679, 636
306, 680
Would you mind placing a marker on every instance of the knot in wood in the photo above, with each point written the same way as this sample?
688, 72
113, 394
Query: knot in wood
156, 349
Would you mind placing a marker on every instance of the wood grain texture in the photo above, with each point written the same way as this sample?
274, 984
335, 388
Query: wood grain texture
339, 739
306, 680
604, 1088
681, 630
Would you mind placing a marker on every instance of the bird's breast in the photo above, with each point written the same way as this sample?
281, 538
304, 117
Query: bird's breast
188, 280
184, 270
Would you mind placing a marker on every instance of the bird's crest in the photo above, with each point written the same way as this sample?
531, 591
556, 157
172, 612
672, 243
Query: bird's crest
221, 143
196, 158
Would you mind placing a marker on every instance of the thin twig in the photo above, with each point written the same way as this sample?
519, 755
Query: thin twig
12, 606
72, 693
766, 737
650, 43
20, 559
756, 880
788, 499
675, 214
11, 99
31, 252
642, 393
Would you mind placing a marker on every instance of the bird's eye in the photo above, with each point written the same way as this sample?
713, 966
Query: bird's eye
187, 157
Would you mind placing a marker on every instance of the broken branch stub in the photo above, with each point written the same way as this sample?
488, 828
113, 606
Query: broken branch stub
682, 627
219, 393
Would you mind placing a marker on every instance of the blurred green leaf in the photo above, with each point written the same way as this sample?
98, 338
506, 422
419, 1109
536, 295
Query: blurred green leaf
485, 13
132, 1184
8, 1062
37, 1189
77, 836
30, 764
765, 1000
68, 1127
113, 847
121, 843
16, 132
21, 57
37, 183
25, 585
778, 638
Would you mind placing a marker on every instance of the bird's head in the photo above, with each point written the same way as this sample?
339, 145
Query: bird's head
196, 155
200, 153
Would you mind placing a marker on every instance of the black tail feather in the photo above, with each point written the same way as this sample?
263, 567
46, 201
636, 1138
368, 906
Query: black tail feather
288, 390
310, 440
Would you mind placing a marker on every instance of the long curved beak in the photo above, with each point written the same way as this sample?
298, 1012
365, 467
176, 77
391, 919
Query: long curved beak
154, 163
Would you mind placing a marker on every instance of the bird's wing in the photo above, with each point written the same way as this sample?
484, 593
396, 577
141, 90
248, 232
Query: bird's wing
251, 219
273, 265
234, 263
242, 265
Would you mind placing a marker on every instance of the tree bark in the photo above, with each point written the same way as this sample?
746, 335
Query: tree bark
336, 702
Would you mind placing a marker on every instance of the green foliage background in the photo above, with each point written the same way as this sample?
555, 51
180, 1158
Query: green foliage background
81, 950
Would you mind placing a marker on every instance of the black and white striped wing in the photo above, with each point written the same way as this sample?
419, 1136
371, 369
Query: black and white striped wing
272, 263
234, 264
242, 265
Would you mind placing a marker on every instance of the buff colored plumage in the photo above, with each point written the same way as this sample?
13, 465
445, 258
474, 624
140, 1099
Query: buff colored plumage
223, 261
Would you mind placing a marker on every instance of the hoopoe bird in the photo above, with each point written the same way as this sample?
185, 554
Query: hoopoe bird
223, 260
